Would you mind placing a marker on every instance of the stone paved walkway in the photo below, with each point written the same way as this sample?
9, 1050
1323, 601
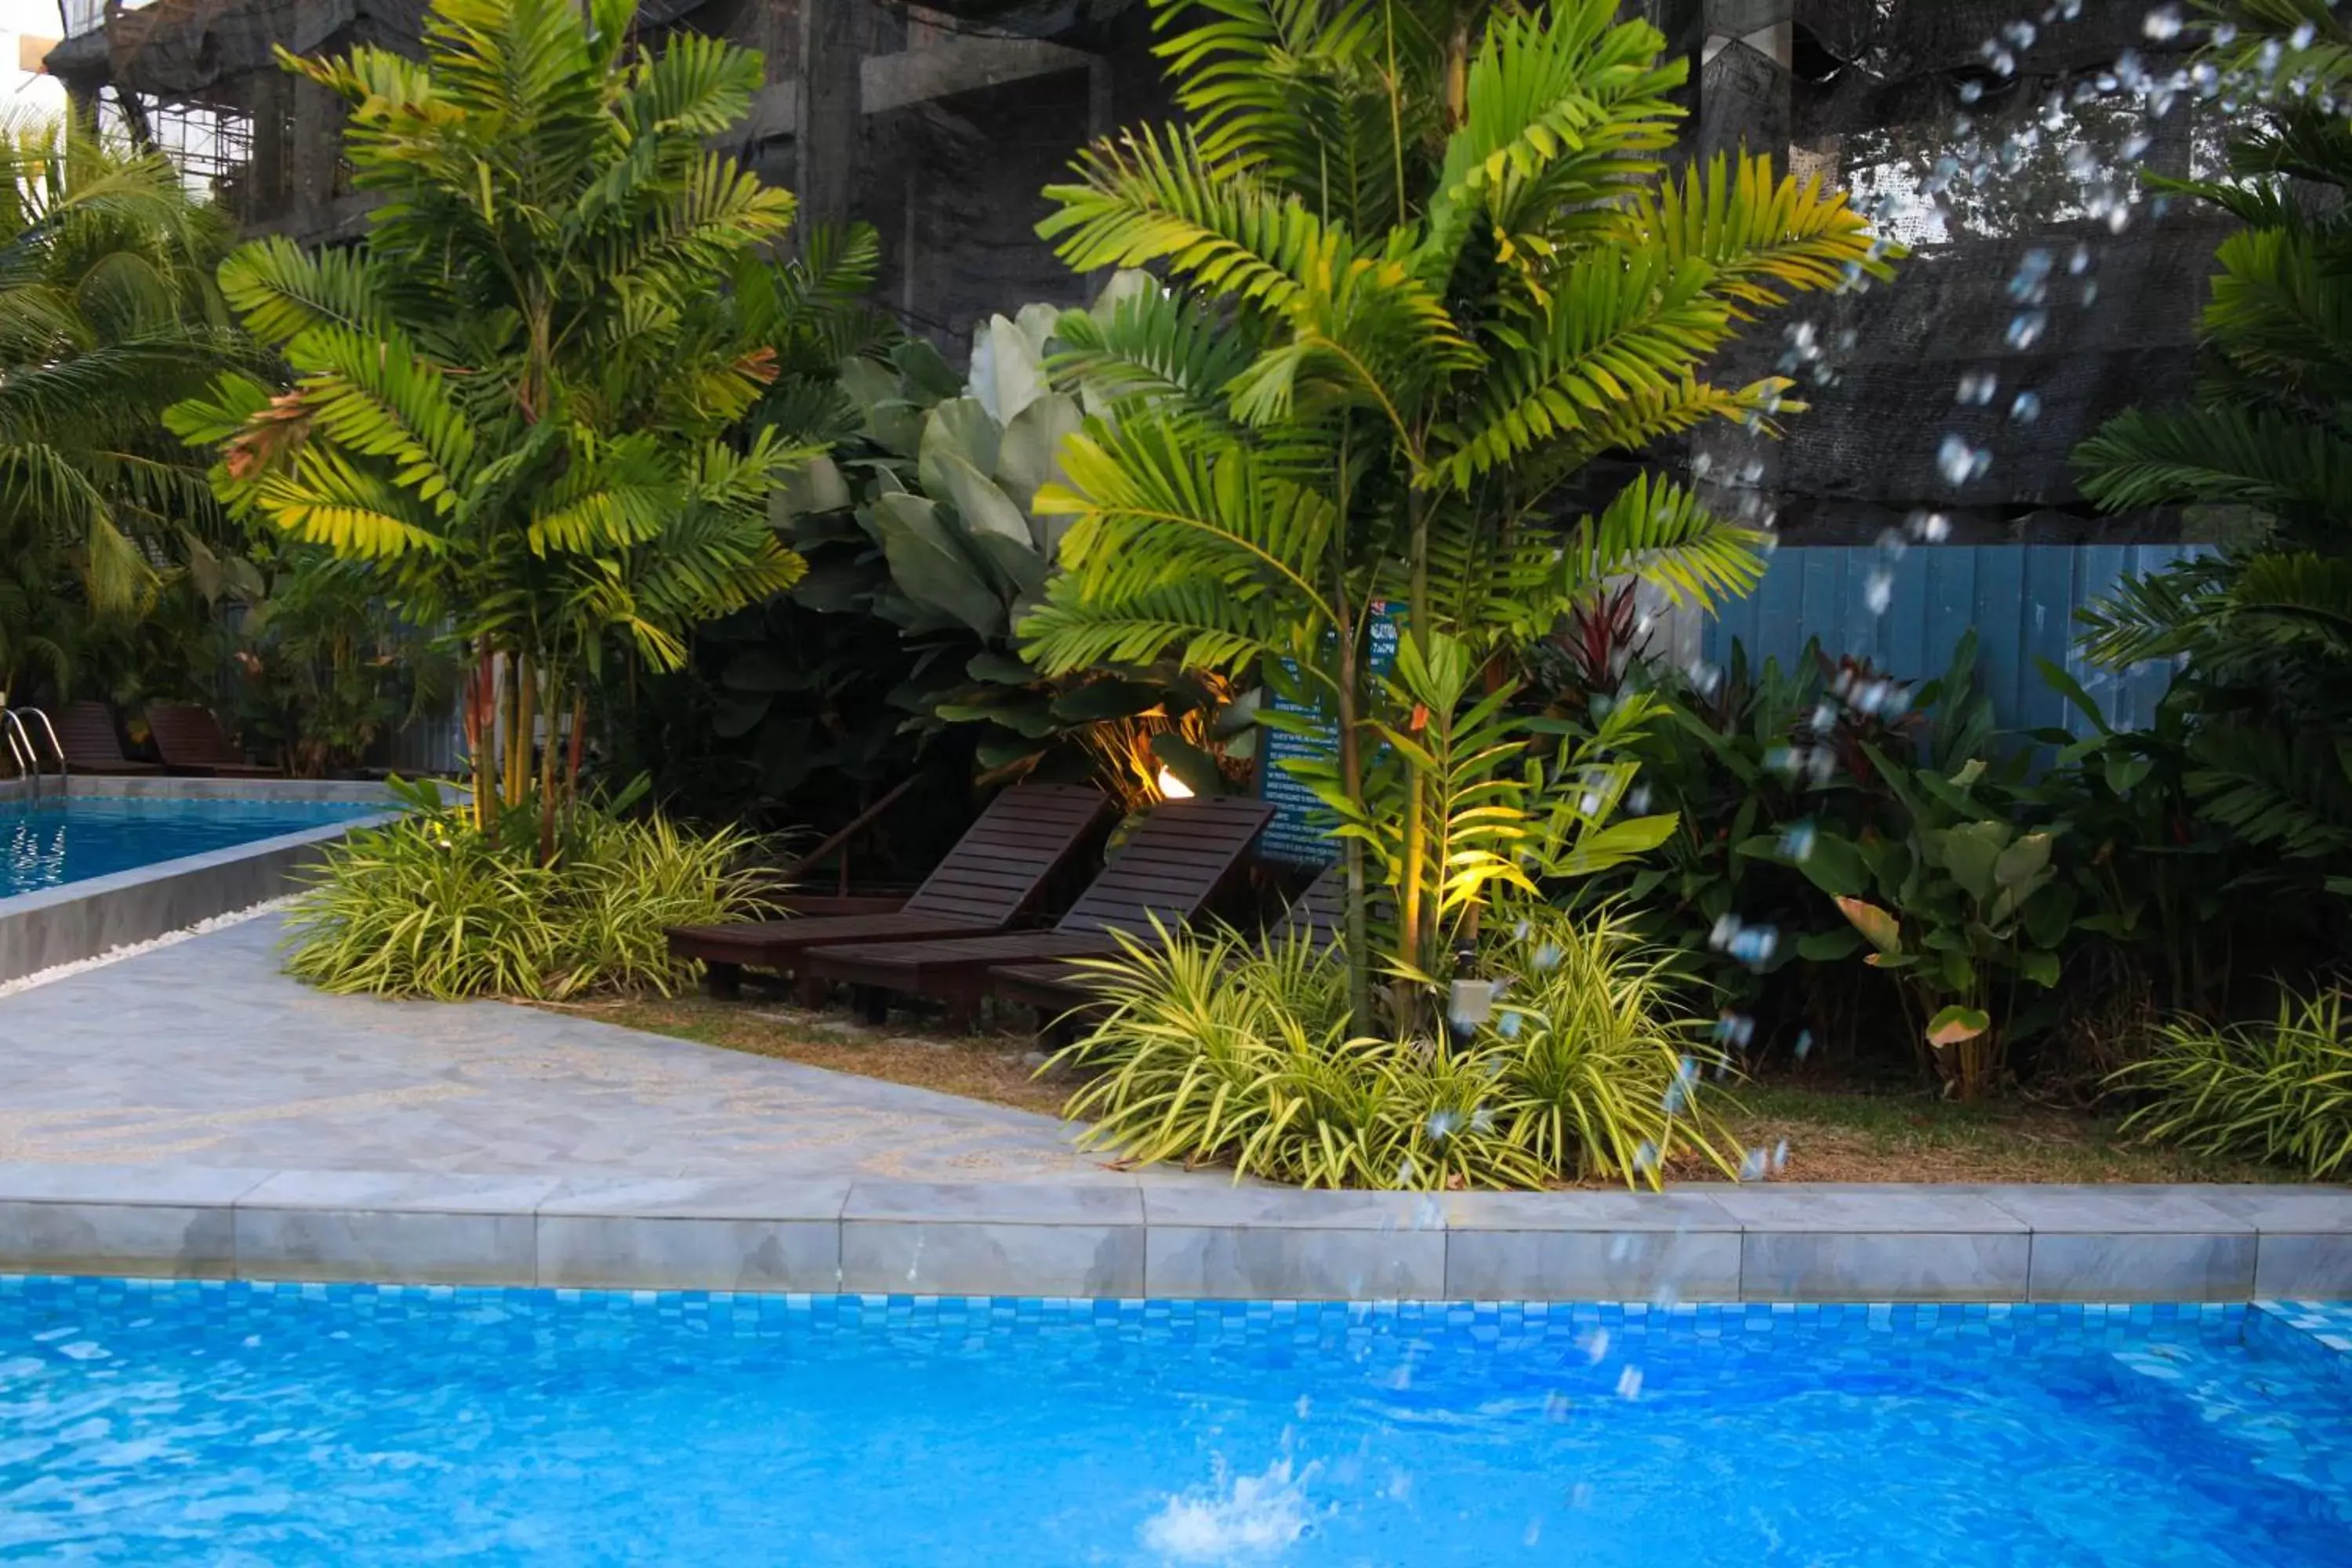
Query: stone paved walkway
204, 1054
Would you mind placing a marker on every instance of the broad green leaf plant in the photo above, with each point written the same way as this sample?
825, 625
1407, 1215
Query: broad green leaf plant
1424, 262
1962, 906
513, 400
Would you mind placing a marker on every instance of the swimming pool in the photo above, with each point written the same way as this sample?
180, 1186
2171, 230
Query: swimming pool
302, 1424
86, 835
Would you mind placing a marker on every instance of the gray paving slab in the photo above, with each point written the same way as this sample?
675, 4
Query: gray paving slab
1880, 1211
192, 1113
2122, 1211
204, 1054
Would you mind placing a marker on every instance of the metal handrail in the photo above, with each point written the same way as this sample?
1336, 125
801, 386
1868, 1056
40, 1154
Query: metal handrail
57, 747
26, 754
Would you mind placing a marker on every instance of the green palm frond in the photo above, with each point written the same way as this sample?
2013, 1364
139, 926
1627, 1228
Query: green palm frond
1619, 326
1766, 240
1661, 533
2255, 458
1156, 197
1155, 346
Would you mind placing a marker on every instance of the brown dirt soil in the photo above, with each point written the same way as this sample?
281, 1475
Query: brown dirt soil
1833, 1134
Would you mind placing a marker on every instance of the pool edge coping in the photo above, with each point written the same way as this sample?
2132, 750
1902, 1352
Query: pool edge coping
1123, 1238
75, 921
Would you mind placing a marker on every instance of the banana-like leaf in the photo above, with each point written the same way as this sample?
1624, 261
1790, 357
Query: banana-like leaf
931, 568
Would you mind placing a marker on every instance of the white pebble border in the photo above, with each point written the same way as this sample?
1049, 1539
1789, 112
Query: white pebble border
133, 948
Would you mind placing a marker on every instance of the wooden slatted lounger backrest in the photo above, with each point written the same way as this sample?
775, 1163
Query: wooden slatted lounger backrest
1320, 913
85, 730
189, 736
1005, 858
1170, 864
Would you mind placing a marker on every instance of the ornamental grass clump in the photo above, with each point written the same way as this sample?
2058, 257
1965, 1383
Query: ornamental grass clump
2278, 1091
1217, 1046
433, 906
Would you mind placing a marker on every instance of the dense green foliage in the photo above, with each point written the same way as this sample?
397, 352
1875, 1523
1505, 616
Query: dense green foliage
2279, 1090
109, 536
1221, 1047
432, 905
325, 669
2262, 630
1425, 265
514, 401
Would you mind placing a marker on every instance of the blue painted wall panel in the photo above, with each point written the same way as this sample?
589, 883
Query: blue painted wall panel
2020, 598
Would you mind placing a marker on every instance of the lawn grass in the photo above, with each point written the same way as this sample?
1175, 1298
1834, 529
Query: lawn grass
1834, 1131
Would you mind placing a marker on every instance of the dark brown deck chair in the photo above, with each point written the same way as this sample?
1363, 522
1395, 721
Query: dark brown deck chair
1171, 866
85, 731
190, 741
989, 879
1060, 988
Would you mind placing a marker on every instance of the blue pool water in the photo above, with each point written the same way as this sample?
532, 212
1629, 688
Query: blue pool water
162, 1423
95, 836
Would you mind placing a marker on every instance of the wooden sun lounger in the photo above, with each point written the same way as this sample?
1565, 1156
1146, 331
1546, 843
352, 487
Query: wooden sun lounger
1320, 915
1171, 866
92, 745
190, 741
989, 879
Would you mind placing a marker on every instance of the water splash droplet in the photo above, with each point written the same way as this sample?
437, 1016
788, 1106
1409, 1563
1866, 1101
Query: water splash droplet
1958, 462
2162, 23
1804, 1046
2025, 407
2026, 327
1797, 840
1928, 527
1752, 1166
1629, 1384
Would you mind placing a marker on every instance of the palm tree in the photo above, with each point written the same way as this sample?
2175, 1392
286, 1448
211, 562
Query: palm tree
2263, 631
1427, 266
514, 400
107, 315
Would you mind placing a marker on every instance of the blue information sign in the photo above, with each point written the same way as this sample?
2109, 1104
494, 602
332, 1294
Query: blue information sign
1299, 833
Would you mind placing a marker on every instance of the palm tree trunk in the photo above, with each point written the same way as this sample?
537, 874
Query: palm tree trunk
519, 716
481, 732
546, 775
1351, 778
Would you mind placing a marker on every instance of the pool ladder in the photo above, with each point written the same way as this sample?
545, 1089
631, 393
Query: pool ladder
26, 751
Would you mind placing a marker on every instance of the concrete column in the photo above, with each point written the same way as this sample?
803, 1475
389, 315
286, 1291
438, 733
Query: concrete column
832, 107
318, 138
265, 176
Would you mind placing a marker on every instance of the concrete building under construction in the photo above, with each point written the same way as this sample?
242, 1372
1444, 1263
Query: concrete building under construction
939, 125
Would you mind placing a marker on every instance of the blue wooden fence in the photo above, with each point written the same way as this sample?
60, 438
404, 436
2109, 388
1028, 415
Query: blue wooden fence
2020, 598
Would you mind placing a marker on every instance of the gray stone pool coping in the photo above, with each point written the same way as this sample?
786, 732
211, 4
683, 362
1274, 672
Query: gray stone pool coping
86, 919
1120, 1238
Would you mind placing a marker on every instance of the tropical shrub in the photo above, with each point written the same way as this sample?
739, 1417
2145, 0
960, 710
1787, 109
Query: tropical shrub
1754, 765
1423, 269
514, 400
2265, 684
325, 669
107, 315
923, 517
1963, 906
1221, 1047
2278, 1091
435, 905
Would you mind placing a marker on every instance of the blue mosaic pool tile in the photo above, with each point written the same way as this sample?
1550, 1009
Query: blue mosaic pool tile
2316, 1335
